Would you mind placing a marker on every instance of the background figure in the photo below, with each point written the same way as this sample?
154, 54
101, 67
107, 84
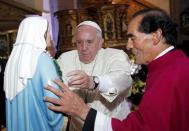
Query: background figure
28, 70
152, 38
91, 66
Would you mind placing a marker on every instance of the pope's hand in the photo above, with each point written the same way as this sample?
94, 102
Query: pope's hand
80, 79
68, 102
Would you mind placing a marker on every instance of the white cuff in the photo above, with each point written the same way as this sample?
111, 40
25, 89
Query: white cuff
106, 88
105, 85
102, 122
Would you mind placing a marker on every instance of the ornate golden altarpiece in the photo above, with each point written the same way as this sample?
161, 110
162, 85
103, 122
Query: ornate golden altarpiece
112, 18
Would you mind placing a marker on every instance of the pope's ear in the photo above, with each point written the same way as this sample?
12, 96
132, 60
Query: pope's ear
101, 43
157, 36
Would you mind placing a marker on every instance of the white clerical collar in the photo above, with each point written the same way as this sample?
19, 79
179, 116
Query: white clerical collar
165, 51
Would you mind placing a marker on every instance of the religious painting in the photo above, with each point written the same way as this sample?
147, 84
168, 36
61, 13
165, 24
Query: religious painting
121, 21
67, 26
109, 26
109, 22
70, 25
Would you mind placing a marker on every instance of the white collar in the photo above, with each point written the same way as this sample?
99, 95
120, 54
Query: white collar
165, 51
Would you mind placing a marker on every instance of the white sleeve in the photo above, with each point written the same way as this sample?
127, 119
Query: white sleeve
118, 79
113, 84
102, 122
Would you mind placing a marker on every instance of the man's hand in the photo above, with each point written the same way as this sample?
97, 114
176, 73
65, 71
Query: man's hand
80, 79
68, 101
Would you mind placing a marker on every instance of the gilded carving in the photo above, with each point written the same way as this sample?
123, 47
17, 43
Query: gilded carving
112, 18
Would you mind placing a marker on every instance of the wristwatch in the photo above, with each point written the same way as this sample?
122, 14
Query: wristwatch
96, 81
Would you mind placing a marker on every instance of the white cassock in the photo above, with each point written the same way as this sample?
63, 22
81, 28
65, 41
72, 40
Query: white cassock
113, 68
